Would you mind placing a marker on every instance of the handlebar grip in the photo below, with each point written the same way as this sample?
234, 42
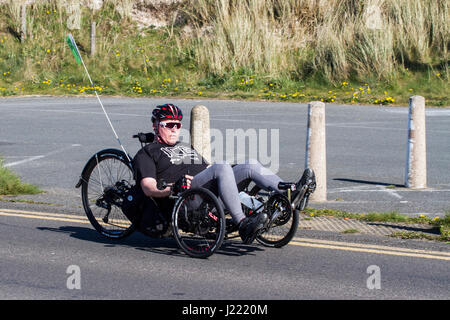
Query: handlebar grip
161, 184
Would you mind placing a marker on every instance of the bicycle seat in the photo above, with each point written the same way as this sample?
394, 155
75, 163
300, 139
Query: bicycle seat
287, 185
145, 137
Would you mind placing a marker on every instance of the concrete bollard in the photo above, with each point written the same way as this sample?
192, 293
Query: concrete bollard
200, 131
93, 38
23, 22
416, 155
316, 157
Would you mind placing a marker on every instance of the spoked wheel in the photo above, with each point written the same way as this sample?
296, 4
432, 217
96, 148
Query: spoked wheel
105, 179
198, 223
283, 221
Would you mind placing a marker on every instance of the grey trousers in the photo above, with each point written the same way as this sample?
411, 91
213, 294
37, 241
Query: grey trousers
226, 182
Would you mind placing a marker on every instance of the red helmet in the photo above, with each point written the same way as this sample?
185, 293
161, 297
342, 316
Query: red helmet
167, 112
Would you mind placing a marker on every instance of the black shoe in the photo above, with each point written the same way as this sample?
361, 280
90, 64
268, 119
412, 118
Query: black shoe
250, 226
308, 178
308, 181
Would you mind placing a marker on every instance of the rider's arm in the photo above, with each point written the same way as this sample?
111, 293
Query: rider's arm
149, 187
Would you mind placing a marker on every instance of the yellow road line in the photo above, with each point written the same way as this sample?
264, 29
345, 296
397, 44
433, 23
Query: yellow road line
305, 242
47, 214
55, 217
370, 246
367, 250
22, 215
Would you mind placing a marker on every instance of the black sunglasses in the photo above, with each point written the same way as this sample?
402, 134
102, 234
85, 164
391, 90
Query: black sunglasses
170, 125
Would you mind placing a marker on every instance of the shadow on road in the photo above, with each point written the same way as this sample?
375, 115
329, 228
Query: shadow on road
139, 241
369, 182
406, 228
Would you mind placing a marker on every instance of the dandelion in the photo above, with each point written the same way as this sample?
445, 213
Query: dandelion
311, 214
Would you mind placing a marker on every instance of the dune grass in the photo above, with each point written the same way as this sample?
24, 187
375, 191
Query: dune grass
283, 50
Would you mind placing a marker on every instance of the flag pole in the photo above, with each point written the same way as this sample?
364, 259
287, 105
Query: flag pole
73, 46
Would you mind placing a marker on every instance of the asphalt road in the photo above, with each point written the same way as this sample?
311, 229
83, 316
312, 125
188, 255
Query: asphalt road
41, 255
47, 141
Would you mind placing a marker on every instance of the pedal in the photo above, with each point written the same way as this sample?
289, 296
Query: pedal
287, 186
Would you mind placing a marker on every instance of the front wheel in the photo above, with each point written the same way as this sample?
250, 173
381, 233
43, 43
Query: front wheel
198, 223
105, 179
283, 221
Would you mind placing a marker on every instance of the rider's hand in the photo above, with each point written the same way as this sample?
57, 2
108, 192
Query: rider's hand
180, 185
188, 180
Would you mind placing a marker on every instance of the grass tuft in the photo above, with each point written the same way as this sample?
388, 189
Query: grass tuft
10, 183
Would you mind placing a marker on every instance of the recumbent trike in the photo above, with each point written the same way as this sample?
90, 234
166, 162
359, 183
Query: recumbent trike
197, 221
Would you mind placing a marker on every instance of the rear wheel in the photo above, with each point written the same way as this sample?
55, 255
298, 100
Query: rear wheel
198, 223
283, 220
106, 178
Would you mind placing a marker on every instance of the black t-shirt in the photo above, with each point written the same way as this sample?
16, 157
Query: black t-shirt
161, 161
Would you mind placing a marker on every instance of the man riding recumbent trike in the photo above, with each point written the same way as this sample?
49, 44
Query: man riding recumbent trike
169, 190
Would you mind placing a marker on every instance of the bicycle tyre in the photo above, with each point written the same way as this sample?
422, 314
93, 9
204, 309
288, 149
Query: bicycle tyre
281, 235
194, 242
99, 178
